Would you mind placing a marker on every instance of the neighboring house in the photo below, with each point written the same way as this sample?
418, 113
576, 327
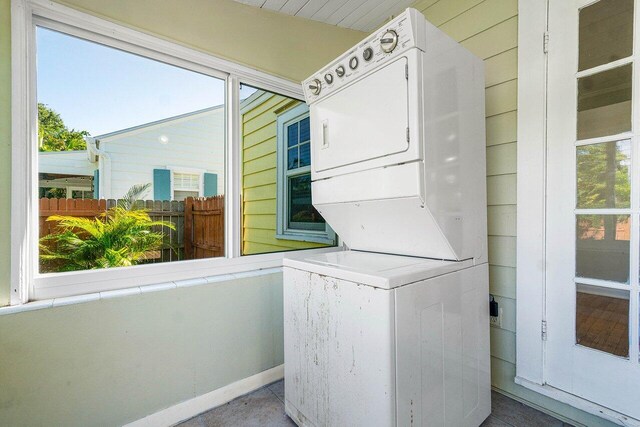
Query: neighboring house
276, 177
180, 156
70, 172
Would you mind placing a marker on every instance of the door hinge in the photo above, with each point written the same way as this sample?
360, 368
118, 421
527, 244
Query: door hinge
408, 134
544, 330
545, 42
406, 71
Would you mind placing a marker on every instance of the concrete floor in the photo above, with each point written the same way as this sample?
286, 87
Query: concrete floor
265, 408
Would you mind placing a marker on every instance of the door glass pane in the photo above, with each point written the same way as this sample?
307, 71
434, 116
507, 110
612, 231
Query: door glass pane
606, 32
604, 175
602, 319
602, 247
604, 103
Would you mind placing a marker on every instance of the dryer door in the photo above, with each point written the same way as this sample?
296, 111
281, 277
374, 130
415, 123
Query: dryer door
365, 121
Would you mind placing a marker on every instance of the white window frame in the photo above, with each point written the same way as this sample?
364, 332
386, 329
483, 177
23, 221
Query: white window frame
531, 192
283, 231
26, 283
71, 189
190, 171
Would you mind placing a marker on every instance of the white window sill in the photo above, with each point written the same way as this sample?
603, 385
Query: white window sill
138, 290
306, 237
59, 285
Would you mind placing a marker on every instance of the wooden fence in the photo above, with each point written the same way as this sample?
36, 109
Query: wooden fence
199, 223
204, 227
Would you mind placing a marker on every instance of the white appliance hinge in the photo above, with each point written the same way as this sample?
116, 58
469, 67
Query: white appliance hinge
544, 330
408, 134
406, 71
545, 42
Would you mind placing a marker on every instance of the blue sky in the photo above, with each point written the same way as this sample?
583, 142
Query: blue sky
100, 89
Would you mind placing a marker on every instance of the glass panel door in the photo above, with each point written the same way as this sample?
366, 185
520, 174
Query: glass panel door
592, 203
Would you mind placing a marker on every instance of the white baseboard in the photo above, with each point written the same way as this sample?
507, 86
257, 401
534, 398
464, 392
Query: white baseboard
192, 407
580, 403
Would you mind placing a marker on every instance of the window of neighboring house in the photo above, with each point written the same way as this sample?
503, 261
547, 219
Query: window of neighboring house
295, 211
185, 185
277, 211
112, 105
79, 193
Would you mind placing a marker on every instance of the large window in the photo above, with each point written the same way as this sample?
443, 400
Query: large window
136, 162
144, 137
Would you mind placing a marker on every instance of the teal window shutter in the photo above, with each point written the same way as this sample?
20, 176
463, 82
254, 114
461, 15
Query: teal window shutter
96, 184
161, 184
210, 184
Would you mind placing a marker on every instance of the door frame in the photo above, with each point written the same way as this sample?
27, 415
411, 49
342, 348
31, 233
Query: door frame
533, 41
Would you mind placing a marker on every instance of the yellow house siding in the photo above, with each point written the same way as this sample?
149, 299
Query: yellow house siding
259, 179
489, 28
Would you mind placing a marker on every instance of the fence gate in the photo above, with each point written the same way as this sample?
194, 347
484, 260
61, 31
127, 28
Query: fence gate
204, 227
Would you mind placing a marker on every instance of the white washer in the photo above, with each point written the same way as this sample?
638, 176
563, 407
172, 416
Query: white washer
394, 331
383, 340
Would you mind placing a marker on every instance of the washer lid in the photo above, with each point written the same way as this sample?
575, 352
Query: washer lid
374, 269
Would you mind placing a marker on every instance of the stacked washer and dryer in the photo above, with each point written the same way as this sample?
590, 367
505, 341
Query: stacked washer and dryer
394, 331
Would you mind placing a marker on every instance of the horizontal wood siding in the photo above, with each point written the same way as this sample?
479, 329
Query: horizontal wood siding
195, 141
489, 29
259, 161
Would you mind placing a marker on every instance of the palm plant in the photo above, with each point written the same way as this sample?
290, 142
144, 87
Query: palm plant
135, 193
121, 236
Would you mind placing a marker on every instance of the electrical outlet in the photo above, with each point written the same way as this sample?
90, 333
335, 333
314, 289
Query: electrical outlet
496, 320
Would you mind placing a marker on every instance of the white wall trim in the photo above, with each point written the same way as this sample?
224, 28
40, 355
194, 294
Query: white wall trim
579, 403
22, 155
531, 189
190, 408
137, 290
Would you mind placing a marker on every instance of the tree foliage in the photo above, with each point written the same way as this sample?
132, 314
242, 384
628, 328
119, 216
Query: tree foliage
117, 238
53, 134
603, 181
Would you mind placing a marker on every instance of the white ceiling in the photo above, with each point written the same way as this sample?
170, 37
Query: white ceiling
363, 15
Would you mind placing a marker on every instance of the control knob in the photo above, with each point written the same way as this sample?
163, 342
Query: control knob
328, 78
340, 71
367, 54
315, 86
353, 63
389, 41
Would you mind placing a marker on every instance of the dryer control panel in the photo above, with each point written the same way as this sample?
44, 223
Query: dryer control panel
385, 44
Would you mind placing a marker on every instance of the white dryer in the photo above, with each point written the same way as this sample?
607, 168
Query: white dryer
394, 331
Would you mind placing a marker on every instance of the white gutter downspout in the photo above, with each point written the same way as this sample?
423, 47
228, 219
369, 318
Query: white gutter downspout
104, 166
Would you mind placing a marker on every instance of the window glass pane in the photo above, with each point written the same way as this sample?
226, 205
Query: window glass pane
304, 130
604, 103
602, 247
305, 154
606, 32
272, 158
292, 135
604, 175
146, 119
180, 195
302, 214
602, 319
186, 181
292, 156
